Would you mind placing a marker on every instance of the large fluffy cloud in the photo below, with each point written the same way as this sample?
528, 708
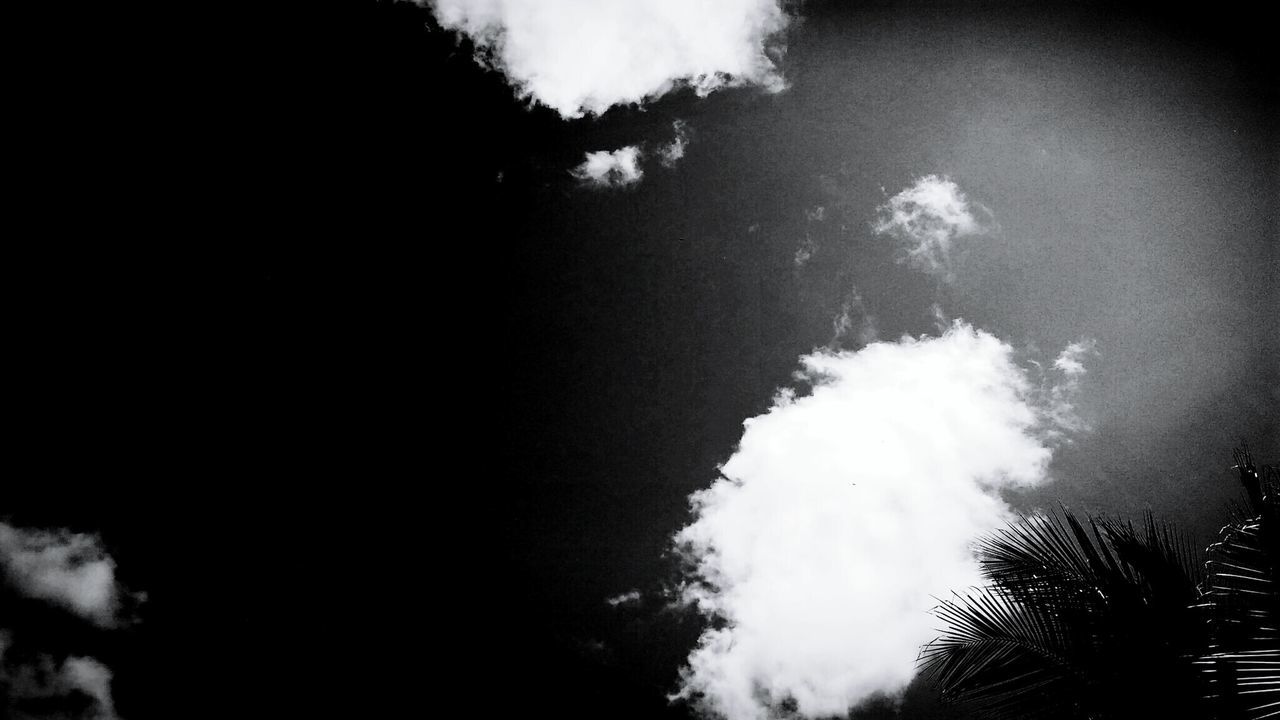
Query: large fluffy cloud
927, 218
70, 569
580, 56
844, 512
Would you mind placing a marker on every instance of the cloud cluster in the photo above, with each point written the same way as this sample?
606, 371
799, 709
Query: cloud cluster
585, 56
621, 167
73, 571
927, 218
843, 513
606, 168
69, 569
78, 687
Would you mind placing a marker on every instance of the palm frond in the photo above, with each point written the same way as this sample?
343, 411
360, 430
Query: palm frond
1001, 658
1242, 604
1078, 611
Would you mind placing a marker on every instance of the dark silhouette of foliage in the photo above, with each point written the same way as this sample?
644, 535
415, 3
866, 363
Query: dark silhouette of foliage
1097, 618
1242, 603
1084, 618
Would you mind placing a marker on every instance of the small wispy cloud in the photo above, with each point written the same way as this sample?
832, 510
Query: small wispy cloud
1060, 395
941, 320
580, 57
672, 152
854, 325
69, 569
927, 218
1071, 360
844, 512
606, 168
626, 598
805, 252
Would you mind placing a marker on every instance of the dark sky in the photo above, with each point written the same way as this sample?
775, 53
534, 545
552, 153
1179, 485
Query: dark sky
372, 427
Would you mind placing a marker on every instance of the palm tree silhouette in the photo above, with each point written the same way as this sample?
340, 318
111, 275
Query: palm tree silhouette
1080, 619
1097, 618
1242, 602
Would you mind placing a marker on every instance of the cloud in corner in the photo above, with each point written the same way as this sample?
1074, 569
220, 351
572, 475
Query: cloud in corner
75, 687
605, 168
927, 218
65, 568
74, 571
844, 512
579, 57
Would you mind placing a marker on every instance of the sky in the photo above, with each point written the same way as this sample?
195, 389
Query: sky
641, 359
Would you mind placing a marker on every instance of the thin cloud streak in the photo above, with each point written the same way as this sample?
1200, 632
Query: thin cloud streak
1059, 401
627, 598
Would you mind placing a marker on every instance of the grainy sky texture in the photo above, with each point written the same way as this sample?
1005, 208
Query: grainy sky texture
648, 359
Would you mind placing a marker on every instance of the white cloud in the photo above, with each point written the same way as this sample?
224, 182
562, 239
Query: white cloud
585, 56
843, 513
855, 324
805, 252
940, 319
610, 169
1071, 360
70, 569
92, 678
671, 153
33, 684
927, 218
1059, 398
626, 598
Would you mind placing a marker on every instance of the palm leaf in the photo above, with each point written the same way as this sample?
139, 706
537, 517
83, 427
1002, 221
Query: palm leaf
1242, 604
1080, 618
996, 654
